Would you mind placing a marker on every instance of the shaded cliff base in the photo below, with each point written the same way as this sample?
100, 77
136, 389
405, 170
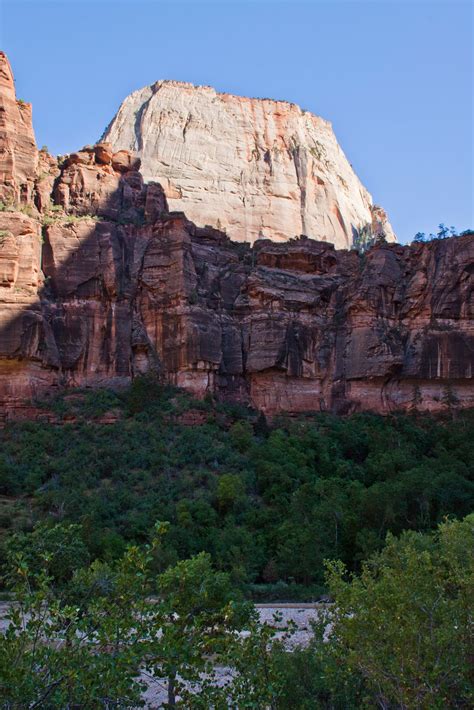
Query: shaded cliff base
258, 356
128, 288
107, 405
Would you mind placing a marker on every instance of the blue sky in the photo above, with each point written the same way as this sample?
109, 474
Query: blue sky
395, 78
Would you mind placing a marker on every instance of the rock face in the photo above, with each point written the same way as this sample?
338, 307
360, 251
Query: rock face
99, 282
18, 154
251, 167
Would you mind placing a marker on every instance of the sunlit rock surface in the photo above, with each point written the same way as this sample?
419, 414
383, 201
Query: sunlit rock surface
251, 167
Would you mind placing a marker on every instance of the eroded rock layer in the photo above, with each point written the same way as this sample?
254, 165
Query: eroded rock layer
99, 282
251, 167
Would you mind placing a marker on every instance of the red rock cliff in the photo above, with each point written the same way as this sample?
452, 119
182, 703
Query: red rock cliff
100, 282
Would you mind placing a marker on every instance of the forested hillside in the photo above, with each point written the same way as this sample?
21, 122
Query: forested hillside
268, 500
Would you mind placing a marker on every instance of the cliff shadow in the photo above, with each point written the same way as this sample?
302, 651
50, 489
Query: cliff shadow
68, 278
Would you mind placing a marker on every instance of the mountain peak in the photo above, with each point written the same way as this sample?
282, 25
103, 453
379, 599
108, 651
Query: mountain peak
253, 167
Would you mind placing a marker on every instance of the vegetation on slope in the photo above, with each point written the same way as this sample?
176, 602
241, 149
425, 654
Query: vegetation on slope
269, 503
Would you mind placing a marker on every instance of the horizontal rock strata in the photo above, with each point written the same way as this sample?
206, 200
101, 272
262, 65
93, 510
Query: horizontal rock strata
100, 282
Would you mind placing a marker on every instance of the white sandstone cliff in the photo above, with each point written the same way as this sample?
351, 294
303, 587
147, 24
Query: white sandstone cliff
252, 167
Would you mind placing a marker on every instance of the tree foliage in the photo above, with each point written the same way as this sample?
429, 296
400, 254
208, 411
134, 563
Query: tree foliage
442, 233
404, 625
100, 639
398, 635
268, 503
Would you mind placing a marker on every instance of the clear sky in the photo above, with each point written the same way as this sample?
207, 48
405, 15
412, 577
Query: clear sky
395, 78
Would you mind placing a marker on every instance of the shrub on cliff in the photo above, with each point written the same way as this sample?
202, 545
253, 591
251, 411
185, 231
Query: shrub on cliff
442, 233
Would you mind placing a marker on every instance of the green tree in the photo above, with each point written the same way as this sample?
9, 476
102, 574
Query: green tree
87, 644
254, 659
60, 652
194, 620
230, 490
241, 435
315, 679
450, 398
57, 550
404, 625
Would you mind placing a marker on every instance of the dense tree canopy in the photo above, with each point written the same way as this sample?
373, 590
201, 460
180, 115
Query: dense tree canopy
268, 501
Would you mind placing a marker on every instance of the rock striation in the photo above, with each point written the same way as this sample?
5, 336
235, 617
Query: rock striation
251, 167
100, 282
18, 154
